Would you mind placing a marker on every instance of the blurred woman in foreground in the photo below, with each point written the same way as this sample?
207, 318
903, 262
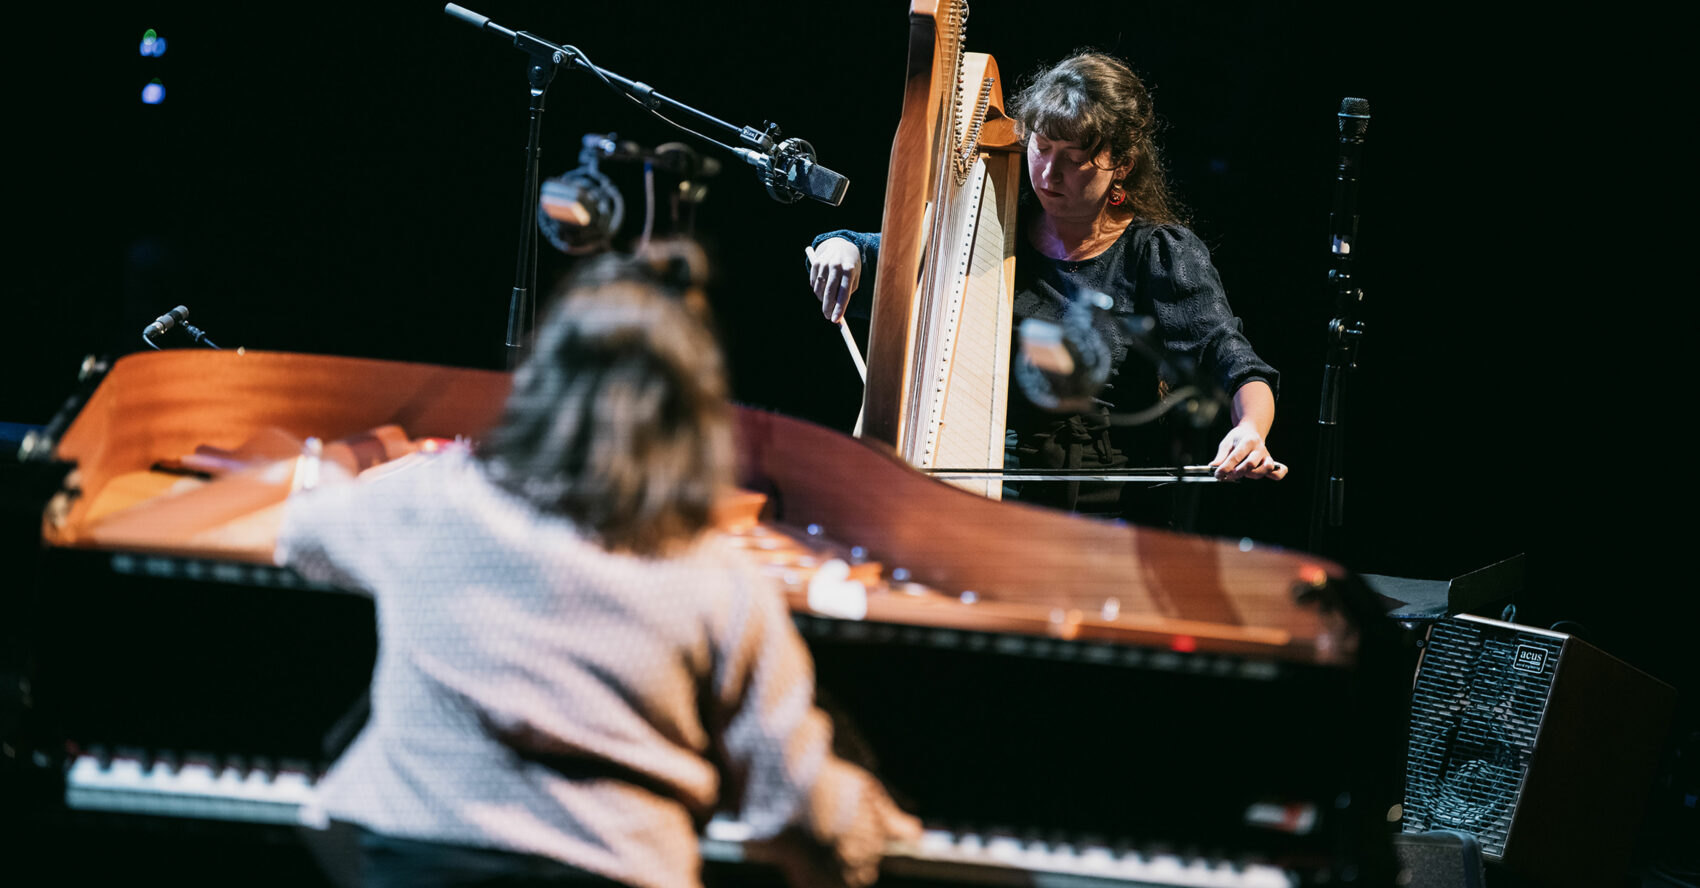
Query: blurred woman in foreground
573, 674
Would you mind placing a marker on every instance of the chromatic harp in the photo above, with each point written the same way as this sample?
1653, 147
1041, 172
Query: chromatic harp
939, 341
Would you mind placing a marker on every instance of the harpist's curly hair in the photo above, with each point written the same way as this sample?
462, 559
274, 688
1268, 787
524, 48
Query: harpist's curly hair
1096, 101
619, 418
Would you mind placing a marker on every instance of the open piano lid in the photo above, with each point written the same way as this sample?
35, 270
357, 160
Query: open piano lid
1029, 570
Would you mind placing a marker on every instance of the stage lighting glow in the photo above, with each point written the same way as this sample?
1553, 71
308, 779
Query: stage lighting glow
153, 45
153, 93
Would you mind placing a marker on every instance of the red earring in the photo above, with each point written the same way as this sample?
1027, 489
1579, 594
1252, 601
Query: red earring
1117, 196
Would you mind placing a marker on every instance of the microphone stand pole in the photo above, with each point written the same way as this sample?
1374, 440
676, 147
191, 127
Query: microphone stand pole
545, 62
1345, 331
521, 305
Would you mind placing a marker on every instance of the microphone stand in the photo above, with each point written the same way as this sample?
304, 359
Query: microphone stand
546, 59
1345, 332
787, 167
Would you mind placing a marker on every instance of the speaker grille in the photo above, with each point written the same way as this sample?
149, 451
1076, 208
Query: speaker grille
1475, 711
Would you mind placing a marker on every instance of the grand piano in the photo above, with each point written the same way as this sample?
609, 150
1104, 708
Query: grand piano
1063, 701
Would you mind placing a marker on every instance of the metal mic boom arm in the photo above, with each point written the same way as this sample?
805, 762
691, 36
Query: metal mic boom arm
788, 167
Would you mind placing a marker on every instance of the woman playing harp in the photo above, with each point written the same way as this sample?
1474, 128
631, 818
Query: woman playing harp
1098, 217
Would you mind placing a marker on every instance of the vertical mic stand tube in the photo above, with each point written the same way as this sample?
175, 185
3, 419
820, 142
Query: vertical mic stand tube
522, 305
1345, 331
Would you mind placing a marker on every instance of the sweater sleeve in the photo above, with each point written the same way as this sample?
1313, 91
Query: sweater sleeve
777, 745
321, 536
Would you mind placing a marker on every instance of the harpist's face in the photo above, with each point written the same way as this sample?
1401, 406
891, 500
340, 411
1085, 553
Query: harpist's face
1070, 183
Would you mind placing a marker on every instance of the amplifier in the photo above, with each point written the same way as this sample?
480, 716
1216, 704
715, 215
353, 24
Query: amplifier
1540, 745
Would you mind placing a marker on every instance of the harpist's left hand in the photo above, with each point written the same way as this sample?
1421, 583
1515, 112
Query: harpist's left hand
1243, 454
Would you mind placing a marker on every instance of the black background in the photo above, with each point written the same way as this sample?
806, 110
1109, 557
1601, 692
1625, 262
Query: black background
348, 181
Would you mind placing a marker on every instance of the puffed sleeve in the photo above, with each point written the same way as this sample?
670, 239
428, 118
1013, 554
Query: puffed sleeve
1192, 312
776, 744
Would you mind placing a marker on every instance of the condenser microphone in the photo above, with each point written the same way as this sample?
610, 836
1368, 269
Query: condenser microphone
1354, 118
165, 322
175, 318
579, 211
790, 172
1343, 224
1065, 365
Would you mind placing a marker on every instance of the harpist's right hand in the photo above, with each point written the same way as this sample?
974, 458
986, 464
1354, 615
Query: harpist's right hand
835, 270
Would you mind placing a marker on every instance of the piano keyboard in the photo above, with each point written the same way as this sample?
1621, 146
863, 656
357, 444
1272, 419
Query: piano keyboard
1004, 859
201, 789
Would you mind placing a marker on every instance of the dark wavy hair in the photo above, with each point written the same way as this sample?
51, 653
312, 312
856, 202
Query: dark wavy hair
1096, 101
619, 418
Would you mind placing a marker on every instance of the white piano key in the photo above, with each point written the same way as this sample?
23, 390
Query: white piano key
725, 829
1097, 857
228, 784
936, 841
1226, 875
1164, 867
124, 773
1037, 852
1263, 876
292, 787
1203, 874
195, 778
1063, 857
85, 771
